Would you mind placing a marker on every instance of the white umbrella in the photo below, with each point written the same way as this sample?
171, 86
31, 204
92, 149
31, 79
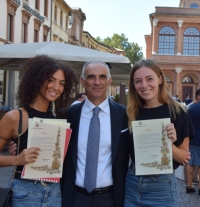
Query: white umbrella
12, 57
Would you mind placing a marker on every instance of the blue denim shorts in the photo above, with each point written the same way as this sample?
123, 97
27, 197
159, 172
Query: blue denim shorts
151, 190
28, 194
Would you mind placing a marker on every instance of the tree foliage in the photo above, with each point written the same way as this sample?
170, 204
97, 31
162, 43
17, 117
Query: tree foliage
132, 50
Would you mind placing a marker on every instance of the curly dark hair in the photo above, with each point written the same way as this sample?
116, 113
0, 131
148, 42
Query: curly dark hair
36, 72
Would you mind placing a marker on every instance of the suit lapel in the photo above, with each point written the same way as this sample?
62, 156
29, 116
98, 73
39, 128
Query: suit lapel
116, 116
75, 120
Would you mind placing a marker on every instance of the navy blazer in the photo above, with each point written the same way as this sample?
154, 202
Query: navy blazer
120, 152
194, 112
188, 101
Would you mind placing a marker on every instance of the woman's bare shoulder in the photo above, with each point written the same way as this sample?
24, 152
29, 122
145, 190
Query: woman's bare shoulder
11, 116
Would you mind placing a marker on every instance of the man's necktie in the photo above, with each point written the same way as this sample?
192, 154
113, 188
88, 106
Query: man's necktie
92, 152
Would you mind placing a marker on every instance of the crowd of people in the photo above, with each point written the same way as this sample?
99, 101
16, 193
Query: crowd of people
97, 170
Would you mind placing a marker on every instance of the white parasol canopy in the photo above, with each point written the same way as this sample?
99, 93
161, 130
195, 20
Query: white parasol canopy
13, 56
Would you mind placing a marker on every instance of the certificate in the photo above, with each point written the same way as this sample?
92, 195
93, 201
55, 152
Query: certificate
53, 139
153, 149
58, 122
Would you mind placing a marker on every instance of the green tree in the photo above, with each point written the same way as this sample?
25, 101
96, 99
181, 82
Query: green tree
99, 39
132, 50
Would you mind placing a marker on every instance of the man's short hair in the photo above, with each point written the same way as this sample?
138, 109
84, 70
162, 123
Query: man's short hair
80, 95
94, 61
198, 92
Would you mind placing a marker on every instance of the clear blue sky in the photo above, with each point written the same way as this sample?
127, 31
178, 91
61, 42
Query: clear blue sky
131, 17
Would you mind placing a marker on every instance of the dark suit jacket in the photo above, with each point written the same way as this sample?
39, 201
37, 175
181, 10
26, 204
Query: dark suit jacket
120, 152
194, 112
188, 100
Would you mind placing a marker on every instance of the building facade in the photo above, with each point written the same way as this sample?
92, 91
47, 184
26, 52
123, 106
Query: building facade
76, 23
27, 21
60, 21
22, 21
174, 43
90, 42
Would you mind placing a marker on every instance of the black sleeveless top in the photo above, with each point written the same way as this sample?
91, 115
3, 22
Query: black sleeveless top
23, 138
182, 124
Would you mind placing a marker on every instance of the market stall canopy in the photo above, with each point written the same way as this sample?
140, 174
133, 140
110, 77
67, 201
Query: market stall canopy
13, 56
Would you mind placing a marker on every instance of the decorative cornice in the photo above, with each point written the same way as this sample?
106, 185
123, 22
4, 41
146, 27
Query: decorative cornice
63, 6
178, 70
46, 29
177, 11
155, 21
181, 59
89, 38
37, 23
12, 6
26, 16
176, 15
180, 22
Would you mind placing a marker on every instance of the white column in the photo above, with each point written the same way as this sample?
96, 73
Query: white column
178, 81
180, 22
155, 21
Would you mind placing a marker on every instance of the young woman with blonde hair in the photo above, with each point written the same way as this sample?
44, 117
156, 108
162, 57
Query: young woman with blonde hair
149, 99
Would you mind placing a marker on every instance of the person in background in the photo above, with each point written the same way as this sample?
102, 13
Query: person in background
80, 98
197, 98
44, 81
188, 100
194, 112
149, 99
177, 99
84, 184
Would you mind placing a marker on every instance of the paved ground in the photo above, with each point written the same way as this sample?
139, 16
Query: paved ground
185, 200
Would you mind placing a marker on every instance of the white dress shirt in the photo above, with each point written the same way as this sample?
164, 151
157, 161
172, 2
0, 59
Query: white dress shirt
104, 169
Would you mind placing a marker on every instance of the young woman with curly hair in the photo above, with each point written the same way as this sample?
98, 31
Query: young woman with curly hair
149, 99
44, 81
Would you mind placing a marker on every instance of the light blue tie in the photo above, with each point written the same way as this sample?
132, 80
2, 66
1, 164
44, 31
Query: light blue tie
92, 152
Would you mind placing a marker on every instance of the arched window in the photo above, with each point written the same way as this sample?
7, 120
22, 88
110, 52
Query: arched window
167, 78
194, 6
166, 42
191, 42
187, 80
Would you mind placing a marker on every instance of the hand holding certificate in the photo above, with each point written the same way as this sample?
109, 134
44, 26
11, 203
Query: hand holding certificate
153, 149
52, 136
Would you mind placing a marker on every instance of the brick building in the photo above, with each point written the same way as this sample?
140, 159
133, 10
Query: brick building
174, 43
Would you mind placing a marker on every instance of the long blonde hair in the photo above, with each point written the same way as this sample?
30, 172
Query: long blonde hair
135, 102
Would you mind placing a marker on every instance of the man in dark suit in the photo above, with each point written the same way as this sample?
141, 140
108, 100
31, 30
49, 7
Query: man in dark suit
188, 100
194, 112
113, 152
